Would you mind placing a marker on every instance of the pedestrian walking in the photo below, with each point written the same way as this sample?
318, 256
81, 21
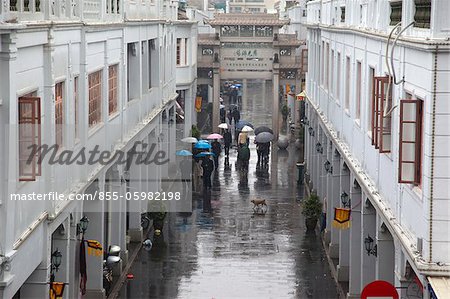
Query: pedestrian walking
259, 152
222, 115
236, 116
208, 167
243, 157
227, 139
216, 149
230, 116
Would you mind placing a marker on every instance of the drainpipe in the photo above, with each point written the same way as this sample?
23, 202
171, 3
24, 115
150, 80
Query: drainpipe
433, 140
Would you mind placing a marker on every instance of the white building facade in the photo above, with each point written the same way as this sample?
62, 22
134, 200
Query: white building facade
82, 74
377, 139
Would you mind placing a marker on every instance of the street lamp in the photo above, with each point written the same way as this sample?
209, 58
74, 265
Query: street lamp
319, 147
55, 263
83, 225
370, 247
56, 259
328, 167
345, 200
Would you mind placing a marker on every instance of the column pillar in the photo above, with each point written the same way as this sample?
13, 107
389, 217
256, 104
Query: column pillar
344, 234
329, 196
356, 245
134, 222
334, 201
384, 267
368, 228
245, 95
215, 100
276, 101
94, 210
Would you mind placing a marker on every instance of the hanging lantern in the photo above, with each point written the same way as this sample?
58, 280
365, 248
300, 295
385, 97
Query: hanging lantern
341, 218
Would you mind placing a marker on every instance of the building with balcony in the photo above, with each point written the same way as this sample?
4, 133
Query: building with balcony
377, 139
84, 76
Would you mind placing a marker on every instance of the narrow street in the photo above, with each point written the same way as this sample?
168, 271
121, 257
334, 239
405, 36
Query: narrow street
229, 252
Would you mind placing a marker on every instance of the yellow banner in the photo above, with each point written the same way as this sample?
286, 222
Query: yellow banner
198, 104
341, 218
56, 290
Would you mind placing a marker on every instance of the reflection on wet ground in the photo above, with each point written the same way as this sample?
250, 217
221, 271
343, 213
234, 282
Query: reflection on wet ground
227, 251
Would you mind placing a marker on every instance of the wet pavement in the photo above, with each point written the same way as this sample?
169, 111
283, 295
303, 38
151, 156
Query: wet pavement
224, 250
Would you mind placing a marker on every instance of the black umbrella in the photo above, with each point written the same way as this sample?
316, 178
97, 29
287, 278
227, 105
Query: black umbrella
263, 129
264, 137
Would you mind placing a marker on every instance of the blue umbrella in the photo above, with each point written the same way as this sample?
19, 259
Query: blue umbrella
242, 123
202, 145
238, 85
183, 153
204, 154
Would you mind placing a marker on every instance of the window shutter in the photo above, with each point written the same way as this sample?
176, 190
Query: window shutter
304, 60
410, 141
381, 125
29, 135
385, 120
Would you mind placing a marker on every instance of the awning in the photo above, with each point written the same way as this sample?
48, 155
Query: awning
301, 96
439, 287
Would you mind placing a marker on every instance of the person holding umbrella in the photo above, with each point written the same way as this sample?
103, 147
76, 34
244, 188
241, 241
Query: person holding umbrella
208, 167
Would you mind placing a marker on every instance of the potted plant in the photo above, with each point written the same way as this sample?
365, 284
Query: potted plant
195, 132
312, 209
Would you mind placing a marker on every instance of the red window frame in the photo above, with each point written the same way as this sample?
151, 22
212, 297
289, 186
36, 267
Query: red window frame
415, 120
178, 51
29, 119
112, 89
95, 98
381, 124
59, 114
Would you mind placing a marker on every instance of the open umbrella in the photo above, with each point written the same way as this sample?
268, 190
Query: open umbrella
204, 154
264, 137
247, 129
189, 140
214, 136
223, 126
263, 129
240, 124
183, 153
202, 145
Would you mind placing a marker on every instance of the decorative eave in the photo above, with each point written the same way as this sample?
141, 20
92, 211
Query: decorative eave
247, 19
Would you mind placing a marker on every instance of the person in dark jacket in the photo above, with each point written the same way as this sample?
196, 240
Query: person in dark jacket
222, 115
227, 139
208, 167
216, 149
236, 116
230, 116
243, 156
259, 151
